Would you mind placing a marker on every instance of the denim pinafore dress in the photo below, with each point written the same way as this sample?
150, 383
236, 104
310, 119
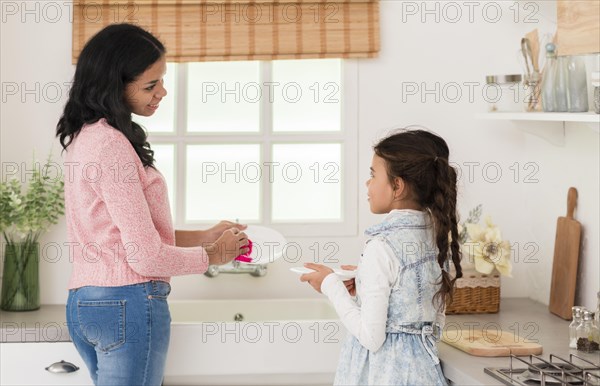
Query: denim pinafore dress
409, 353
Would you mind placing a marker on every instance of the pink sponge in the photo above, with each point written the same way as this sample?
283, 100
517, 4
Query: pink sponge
246, 256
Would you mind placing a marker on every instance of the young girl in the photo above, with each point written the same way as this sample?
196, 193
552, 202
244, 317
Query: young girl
121, 237
402, 280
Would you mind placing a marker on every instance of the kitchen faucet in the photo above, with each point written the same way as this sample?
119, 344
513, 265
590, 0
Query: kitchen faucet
256, 270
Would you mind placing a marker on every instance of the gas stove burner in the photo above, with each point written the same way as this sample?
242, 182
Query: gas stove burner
537, 371
552, 373
553, 367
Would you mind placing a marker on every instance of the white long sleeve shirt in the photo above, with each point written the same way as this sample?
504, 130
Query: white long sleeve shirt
378, 270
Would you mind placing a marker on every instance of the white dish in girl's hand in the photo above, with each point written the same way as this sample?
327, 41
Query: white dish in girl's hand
302, 270
345, 274
341, 273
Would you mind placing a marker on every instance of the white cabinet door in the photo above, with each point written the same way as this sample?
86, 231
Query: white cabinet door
25, 364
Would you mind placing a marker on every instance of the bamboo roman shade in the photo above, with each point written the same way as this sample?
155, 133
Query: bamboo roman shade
201, 30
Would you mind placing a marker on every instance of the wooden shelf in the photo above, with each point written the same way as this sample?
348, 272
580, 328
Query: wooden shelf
589, 117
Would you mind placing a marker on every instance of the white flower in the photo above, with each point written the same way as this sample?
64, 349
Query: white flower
488, 250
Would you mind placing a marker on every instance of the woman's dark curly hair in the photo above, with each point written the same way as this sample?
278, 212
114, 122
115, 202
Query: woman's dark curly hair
110, 60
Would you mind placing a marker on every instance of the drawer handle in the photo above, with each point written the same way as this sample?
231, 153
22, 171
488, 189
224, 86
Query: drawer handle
62, 367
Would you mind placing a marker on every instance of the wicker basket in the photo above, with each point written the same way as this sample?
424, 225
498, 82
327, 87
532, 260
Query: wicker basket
475, 293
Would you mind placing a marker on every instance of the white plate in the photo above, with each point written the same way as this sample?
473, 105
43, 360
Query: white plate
341, 273
301, 270
344, 274
268, 245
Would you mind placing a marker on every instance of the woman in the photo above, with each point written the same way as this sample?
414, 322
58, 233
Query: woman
124, 247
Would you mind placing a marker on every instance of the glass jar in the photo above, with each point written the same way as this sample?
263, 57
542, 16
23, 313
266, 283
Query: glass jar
532, 84
506, 93
548, 80
562, 85
573, 326
586, 333
577, 84
21, 284
596, 85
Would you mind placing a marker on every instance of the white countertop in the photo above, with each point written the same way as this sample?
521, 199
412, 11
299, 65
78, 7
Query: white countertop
47, 324
519, 316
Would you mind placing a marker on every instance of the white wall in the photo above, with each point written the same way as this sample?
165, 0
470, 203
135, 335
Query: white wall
413, 53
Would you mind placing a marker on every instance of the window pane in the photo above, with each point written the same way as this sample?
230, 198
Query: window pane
223, 182
223, 96
307, 95
163, 120
164, 156
307, 182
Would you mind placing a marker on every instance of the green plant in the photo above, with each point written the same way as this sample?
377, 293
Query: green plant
24, 215
472, 218
27, 214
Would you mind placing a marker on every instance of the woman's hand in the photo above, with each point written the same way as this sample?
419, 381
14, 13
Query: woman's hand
315, 279
350, 284
185, 238
227, 247
213, 233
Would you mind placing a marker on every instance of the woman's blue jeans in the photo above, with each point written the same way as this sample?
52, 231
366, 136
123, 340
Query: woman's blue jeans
121, 333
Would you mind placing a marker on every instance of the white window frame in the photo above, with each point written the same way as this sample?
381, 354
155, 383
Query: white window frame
347, 136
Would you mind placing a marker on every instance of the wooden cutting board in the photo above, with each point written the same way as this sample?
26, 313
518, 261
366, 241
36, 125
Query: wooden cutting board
566, 257
490, 342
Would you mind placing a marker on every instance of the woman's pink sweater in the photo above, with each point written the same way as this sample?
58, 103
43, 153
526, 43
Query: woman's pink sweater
118, 218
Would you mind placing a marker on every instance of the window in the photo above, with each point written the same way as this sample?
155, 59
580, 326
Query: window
269, 142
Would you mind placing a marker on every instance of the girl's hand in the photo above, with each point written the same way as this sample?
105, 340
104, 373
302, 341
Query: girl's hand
216, 231
227, 247
350, 284
316, 278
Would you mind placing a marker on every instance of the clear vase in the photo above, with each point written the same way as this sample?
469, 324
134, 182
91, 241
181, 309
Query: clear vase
20, 278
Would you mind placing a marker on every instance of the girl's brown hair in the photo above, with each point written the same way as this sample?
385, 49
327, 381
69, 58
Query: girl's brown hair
420, 158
